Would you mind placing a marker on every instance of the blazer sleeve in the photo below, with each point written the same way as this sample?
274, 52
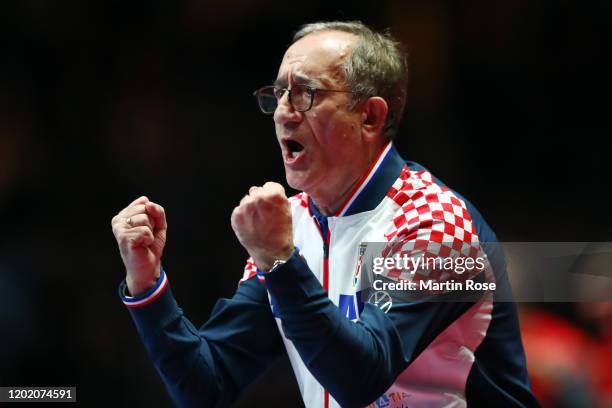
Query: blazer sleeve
208, 366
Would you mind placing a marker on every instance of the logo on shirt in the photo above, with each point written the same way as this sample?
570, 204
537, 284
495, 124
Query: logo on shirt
361, 251
381, 300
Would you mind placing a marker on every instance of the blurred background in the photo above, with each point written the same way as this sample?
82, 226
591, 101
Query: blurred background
103, 101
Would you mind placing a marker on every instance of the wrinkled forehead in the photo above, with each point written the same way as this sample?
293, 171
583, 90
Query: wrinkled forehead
317, 58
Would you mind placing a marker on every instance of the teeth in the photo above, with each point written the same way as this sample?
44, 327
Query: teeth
294, 154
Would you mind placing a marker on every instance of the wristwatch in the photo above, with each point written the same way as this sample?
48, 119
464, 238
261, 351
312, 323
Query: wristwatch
276, 264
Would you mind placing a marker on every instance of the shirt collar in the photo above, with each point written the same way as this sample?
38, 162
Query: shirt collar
373, 186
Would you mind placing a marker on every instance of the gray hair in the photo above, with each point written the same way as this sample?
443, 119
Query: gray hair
377, 67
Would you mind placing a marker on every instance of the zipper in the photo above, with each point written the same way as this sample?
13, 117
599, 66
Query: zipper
326, 261
326, 238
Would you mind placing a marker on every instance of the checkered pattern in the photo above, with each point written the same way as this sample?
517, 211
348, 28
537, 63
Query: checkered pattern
431, 222
250, 270
301, 199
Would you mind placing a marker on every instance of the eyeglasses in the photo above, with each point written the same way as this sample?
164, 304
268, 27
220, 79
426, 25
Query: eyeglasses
300, 97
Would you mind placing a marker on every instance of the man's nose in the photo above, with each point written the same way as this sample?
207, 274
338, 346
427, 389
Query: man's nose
285, 113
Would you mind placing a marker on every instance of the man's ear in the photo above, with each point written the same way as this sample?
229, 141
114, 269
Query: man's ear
374, 113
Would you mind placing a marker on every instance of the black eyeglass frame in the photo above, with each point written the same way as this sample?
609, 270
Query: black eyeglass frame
310, 89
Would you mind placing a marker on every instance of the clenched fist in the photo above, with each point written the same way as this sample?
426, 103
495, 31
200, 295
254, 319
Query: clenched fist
262, 223
140, 230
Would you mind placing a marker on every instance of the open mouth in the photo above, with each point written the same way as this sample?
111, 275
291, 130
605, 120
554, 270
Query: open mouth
294, 148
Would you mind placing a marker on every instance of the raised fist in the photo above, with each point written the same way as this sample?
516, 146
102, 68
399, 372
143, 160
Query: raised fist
262, 223
140, 230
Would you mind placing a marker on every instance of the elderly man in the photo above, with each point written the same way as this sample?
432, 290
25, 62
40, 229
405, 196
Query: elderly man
337, 101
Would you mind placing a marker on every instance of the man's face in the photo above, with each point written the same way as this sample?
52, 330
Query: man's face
322, 148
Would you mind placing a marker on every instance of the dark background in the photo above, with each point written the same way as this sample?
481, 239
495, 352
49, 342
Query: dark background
103, 101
